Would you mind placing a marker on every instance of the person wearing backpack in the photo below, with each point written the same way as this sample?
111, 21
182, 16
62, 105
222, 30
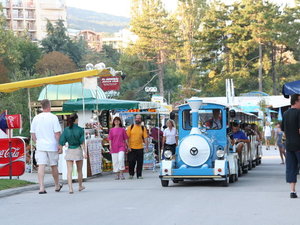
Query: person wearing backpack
137, 135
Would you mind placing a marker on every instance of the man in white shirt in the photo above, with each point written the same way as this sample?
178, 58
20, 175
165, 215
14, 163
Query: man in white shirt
45, 131
268, 134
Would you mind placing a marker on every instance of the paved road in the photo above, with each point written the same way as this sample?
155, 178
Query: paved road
261, 197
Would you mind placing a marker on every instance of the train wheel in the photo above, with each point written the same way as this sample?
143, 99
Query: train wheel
164, 183
245, 169
250, 165
239, 169
175, 181
231, 179
257, 161
236, 177
225, 182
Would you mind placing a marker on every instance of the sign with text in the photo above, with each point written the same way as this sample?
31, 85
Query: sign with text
16, 148
111, 83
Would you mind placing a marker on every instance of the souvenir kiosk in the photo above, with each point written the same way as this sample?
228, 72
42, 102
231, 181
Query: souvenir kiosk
96, 120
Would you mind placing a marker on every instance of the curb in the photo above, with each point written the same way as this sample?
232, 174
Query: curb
33, 187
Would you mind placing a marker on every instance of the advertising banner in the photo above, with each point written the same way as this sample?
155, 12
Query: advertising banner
14, 121
17, 153
111, 83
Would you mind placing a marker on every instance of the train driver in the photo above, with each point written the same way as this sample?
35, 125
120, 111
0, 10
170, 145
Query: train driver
238, 138
216, 121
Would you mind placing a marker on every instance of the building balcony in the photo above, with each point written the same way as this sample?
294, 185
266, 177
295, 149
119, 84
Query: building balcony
19, 28
18, 17
30, 18
17, 4
53, 6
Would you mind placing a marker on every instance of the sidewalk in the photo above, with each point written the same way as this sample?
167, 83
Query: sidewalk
33, 177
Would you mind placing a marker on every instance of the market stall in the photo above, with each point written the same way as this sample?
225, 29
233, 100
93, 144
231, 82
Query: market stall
98, 116
96, 121
83, 76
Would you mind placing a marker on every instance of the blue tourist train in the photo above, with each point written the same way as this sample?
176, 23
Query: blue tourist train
206, 149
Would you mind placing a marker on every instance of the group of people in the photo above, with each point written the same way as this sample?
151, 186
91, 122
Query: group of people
132, 142
47, 134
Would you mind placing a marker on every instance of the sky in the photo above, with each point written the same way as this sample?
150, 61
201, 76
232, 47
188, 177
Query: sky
122, 7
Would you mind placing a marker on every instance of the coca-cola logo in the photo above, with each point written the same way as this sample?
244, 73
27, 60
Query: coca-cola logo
12, 156
10, 120
15, 153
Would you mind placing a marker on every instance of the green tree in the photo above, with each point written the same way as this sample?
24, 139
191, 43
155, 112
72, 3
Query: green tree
55, 63
243, 41
30, 53
155, 29
109, 56
9, 55
58, 40
189, 15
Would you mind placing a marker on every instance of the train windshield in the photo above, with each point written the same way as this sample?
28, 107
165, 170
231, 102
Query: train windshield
208, 118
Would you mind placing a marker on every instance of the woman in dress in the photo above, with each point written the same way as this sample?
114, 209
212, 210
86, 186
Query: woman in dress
170, 137
118, 144
74, 136
278, 137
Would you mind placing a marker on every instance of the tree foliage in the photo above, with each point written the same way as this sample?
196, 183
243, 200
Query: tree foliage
156, 32
54, 63
58, 40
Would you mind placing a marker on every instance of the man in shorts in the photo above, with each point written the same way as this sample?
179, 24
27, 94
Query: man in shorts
268, 134
45, 131
291, 128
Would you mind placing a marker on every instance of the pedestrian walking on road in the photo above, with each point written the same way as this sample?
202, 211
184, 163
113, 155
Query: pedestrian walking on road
268, 134
157, 137
118, 144
74, 136
279, 141
291, 128
137, 135
45, 131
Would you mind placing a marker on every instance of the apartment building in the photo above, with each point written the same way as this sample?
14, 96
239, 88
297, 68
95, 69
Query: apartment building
93, 39
121, 39
30, 16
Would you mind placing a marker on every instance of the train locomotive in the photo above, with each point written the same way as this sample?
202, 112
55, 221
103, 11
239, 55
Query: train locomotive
205, 150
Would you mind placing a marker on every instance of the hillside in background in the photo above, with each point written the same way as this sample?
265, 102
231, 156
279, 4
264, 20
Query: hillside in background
81, 19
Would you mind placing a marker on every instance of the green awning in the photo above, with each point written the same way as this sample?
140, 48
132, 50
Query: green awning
101, 104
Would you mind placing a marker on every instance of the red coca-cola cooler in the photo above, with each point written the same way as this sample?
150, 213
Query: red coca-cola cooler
17, 146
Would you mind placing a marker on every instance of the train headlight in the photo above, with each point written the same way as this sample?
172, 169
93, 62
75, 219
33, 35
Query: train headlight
220, 153
168, 154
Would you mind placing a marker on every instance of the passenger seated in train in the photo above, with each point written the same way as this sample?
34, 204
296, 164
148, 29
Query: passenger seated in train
216, 121
238, 138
